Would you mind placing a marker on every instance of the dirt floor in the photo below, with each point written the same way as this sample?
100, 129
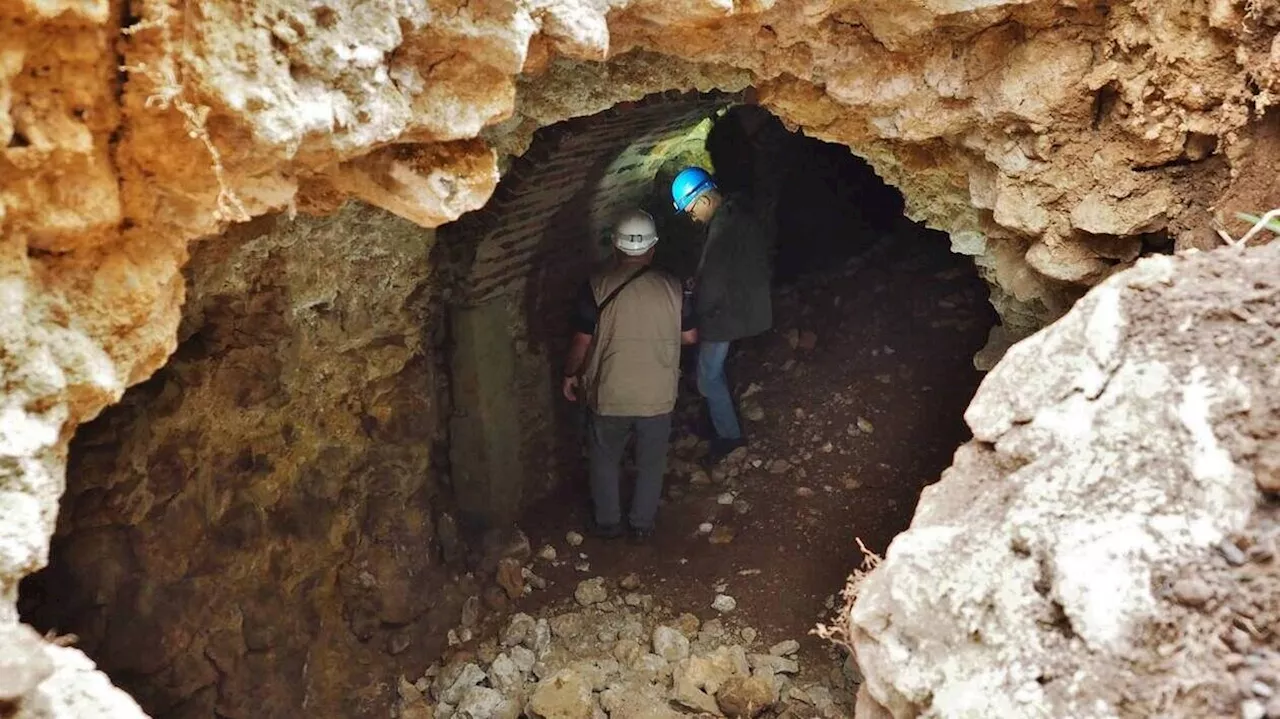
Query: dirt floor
852, 404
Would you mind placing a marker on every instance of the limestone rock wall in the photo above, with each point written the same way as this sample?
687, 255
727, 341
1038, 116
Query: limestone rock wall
1054, 140
253, 529
44, 680
1103, 546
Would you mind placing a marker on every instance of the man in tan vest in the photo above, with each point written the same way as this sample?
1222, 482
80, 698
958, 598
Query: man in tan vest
629, 322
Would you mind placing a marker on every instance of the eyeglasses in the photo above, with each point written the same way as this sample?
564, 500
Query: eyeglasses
689, 210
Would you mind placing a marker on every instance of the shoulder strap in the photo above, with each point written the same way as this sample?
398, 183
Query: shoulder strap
605, 303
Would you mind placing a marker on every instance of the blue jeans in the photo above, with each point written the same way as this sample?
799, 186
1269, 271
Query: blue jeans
713, 385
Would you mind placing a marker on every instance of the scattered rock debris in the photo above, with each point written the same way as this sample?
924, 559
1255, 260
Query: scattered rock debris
619, 655
752, 527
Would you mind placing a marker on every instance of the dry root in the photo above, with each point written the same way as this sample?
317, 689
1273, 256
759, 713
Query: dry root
169, 92
840, 632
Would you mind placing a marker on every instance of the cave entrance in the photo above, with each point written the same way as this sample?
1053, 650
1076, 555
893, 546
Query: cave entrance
513, 268
851, 404
298, 508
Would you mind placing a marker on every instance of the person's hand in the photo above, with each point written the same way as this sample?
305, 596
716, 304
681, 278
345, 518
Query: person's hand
570, 389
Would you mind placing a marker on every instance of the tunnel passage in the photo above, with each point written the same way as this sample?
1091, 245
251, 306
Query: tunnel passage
515, 265
852, 403
293, 511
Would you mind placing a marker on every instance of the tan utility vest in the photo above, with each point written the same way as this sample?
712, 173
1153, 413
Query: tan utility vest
633, 364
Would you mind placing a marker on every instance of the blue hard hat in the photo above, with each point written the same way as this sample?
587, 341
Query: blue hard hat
689, 185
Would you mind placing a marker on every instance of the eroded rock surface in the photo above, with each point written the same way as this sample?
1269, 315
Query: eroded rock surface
1023, 127
41, 679
264, 503
1092, 550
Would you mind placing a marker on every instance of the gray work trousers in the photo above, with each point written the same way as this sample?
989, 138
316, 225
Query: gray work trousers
607, 441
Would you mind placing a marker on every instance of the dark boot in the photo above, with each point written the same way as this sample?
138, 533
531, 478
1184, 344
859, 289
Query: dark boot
721, 448
604, 531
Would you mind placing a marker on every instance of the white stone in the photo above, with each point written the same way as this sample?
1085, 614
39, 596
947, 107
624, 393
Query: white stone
505, 675
770, 664
519, 630
523, 658
591, 591
486, 703
57, 682
468, 677
540, 642
785, 648
724, 603
670, 644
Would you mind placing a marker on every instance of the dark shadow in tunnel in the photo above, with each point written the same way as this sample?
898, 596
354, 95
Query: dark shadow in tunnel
824, 203
567, 255
733, 154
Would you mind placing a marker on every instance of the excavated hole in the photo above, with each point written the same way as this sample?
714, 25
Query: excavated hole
298, 507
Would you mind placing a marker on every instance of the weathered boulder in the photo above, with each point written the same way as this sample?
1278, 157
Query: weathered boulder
670, 644
591, 591
563, 695
697, 679
635, 700
486, 703
505, 675
745, 696
41, 680
454, 685
1101, 215
1113, 452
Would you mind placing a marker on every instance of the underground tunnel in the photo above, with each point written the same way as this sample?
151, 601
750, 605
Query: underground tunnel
318, 493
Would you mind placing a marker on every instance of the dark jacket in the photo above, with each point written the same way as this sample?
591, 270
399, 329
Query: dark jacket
733, 289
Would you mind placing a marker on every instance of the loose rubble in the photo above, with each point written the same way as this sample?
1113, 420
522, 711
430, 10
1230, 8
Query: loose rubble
605, 658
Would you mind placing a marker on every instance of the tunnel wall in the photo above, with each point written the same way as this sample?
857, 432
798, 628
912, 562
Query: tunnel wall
254, 528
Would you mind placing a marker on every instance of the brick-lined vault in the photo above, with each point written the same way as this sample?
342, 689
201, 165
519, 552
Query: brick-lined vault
511, 270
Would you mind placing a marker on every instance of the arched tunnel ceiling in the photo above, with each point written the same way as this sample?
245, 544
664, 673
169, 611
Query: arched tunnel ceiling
578, 174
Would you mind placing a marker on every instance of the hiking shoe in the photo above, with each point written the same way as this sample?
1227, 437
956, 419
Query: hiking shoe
721, 448
640, 535
604, 531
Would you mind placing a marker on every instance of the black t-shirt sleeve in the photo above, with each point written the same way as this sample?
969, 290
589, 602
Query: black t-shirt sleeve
584, 310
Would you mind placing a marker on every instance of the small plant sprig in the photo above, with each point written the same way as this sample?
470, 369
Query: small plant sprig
1269, 221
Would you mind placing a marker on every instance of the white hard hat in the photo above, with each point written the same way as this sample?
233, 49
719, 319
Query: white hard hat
635, 233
